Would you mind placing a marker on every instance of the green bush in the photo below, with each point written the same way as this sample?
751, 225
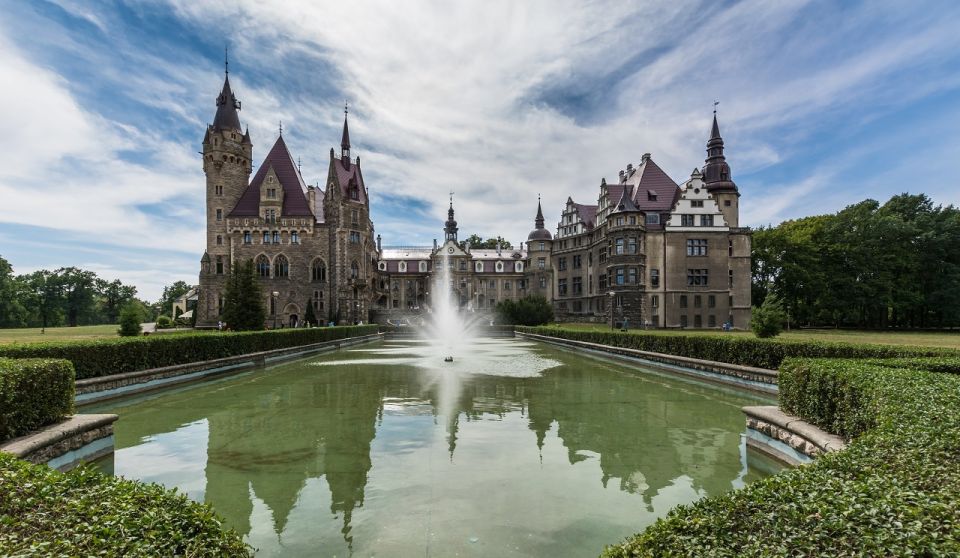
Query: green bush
746, 351
895, 491
130, 318
164, 322
83, 513
529, 311
33, 394
102, 357
768, 319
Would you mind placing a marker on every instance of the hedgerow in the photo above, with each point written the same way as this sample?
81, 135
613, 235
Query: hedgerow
33, 393
84, 513
746, 351
895, 491
101, 357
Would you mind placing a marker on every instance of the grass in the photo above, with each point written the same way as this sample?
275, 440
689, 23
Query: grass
79, 333
911, 338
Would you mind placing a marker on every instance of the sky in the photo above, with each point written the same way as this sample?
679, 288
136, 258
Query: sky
104, 107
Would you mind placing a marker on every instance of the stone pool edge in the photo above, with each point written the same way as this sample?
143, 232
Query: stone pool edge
787, 438
96, 390
66, 444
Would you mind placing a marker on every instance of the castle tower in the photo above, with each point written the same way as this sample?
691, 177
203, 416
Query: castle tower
539, 269
717, 179
227, 154
450, 227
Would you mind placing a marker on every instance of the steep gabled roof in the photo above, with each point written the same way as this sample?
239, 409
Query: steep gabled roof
625, 203
346, 174
653, 179
588, 214
294, 199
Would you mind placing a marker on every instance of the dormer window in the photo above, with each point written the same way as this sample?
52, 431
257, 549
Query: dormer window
651, 195
423, 267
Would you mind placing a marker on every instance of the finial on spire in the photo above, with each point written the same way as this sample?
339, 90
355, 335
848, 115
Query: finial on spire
451, 199
226, 60
281, 128
715, 103
298, 164
346, 106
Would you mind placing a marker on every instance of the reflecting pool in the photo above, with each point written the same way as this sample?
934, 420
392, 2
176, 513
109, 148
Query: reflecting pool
519, 449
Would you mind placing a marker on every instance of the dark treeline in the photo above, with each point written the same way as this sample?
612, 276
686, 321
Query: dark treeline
66, 296
869, 266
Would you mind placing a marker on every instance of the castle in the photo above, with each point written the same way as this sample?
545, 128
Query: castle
649, 253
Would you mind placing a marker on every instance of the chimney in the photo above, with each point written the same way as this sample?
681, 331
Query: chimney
621, 176
498, 245
645, 158
629, 170
434, 244
379, 245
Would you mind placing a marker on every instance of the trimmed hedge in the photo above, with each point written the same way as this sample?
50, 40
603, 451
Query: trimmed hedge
84, 513
895, 491
33, 393
746, 351
102, 357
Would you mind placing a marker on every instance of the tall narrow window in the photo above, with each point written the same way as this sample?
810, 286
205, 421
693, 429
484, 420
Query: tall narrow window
219, 265
276, 237
632, 245
263, 266
247, 237
683, 301
294, 237
654, 278
281, 267
266, 237
619, 246
620, 276
219, 215
219, 240
730, 248
730, 277
706, 220
318, 271
354, 271
686, 220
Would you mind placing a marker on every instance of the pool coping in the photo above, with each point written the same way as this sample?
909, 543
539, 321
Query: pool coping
760, 380
66, 444
95, 390
787, 438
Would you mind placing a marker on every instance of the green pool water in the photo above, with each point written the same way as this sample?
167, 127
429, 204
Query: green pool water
514, 449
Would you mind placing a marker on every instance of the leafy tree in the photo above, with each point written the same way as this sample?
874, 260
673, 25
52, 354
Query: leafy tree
768, 319
12, 311
130, 318
242, 300
529, 310
476, 241
113, 296
78, 287
43, 296
172, 293
310, 317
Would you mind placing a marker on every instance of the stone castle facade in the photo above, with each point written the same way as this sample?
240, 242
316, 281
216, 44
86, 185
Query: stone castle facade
650, 251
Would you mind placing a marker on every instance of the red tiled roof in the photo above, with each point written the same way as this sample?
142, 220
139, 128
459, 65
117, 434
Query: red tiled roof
345, 175
655, 180
294, 199
588, 214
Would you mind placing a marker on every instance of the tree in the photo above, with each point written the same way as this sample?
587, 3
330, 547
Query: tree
768, 319
310, 317
242, 300
113, 296
78, 287
12, 311
530, 311
170, 294
476, 241
43, 296
130, 318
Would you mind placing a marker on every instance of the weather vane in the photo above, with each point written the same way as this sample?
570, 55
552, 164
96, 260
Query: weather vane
281, 127
226, 60
715, 103
345, 107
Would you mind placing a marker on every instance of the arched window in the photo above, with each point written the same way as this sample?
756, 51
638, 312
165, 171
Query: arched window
263, 266
318, 271
499, 266
281, 267
402, 267
423, 267
354, 271
518, 266
479, 267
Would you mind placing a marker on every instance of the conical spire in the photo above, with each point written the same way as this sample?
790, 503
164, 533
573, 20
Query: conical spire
716, 171
539, 219
450, 227
539, 232
345, 140
227, 107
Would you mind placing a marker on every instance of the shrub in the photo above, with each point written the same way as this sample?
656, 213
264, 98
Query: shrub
83, 513
33, 394
768, 319
529, 311
895, 491
310, 317
102, 357
164, 322
747, 351
242, 301
130, 318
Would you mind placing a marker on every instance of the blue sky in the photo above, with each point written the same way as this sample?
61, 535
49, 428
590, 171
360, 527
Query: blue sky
104, 104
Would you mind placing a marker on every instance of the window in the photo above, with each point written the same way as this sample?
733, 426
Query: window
423, 267
219, 190
698, 321
463, 265
354, 270
683, 320
541, 263
271, 193
686, 220
655, 301
281, 267
562, 287
632, 276
726, 203
683, 301
620, 276
602, 281
219, 265
507, 285
619, 221
633, 219
276, 237
730, 277
492, 284
402, 266
577, 285
730, 301
294, 237
499, 267
542, 246
712, 301
479, 267
354, 217
653, 218
577, 261
632, 245
618, 301
543, 282
219, 215
266, 237
561, 264
354, 237
706, 220
263, 266
219, 240
711, 321
697, 247
654, 277
318, 271
354, 192
696, 203
697, 277
651, 195
697, 302
730, 248
247, 237
518, 267
618, 246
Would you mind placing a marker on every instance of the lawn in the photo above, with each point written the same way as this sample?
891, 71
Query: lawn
79, 333
915, 338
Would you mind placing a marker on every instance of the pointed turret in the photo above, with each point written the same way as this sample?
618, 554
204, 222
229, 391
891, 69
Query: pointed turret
450, 227
227, 107
716, 171
345, 140
539, 232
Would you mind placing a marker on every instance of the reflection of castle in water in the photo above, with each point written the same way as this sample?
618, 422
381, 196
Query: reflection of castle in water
300, 426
